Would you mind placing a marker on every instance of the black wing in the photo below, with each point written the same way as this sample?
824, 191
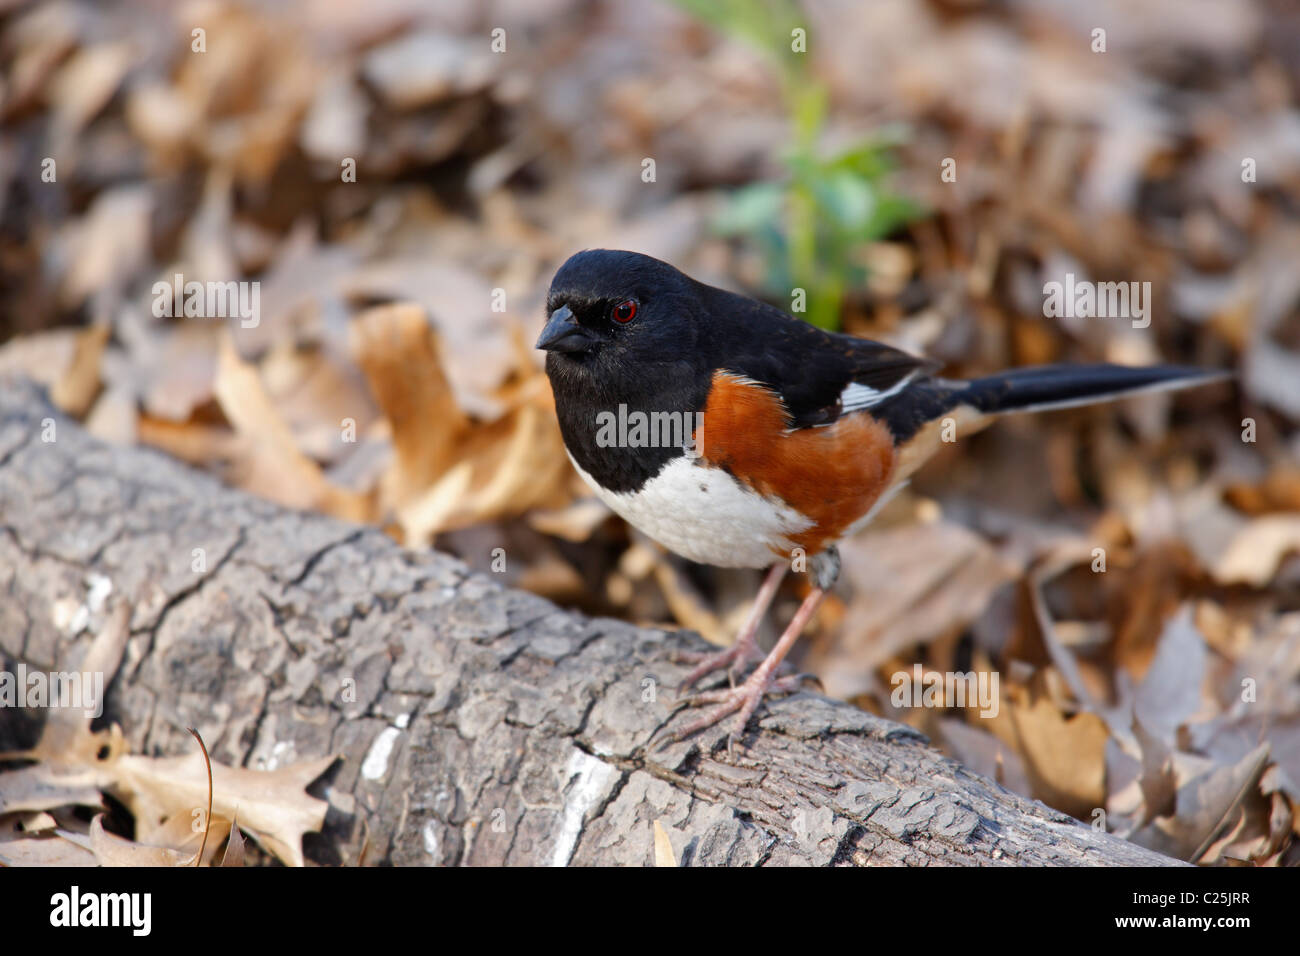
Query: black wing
809, 368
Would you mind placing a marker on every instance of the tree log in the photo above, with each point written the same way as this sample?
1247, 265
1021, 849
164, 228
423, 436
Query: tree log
475, 724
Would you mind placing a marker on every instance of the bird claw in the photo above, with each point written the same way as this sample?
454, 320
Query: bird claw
742, 700
734, 658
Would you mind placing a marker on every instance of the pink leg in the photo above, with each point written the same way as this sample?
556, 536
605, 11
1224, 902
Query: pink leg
745, 648
746, 697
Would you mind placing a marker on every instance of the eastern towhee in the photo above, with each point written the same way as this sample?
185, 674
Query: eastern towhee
793, 437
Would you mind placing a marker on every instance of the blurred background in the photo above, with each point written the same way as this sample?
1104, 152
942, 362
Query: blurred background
402, 178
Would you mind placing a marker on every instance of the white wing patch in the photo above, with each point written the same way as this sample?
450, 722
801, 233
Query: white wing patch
858, 396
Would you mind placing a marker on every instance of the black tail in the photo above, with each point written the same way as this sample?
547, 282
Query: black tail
1065, 386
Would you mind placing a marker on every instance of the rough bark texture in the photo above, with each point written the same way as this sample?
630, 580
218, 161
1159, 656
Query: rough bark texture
487, 726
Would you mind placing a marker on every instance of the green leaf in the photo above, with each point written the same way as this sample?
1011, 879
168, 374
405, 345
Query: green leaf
848, 200
890, 213
808, 228
752, 208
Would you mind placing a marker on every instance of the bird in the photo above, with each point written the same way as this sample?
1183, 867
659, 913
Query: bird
739, 436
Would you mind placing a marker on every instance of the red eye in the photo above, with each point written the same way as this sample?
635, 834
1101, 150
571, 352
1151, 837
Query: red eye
625, 311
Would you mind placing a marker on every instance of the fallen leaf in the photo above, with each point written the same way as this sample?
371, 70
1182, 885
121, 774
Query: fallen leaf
79, 385
396, 347
234, 855
1065, 757
1203, 808
106, 246
272, 805
1156, 779
1253, 555
270, 463
1170, 692
30, 839
113, 417
113, 850
664, 855
183, 831
66, 741
910, 585
986, 754
43, 787
576, 522
84, 86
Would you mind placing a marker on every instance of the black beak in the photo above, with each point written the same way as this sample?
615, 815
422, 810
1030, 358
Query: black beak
564, 334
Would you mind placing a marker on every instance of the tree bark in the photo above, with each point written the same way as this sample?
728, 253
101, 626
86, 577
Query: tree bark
475, 724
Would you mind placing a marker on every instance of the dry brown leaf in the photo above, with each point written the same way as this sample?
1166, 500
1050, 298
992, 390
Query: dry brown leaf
1065, 757
1279, 491
113, 417
17, 825
109, 244
113, 850
576, 522
421, 68
1204, 807
44, 357
85, 84
553, 578
272, 805
986, 754
30, 839
315, 392
1156, 781
76, 764
459, 303
184, 832
398, 350
664, 855
270, 463
1281, 822
529, 466
504, 469
175, 372
190, 441
43, 787
1253, 555
73, 764
1220, 848
234, 855
163, 119
910, 585
687, 605
434, 510
1170, 692
43, 36
66, 741
77, 388
1065, 555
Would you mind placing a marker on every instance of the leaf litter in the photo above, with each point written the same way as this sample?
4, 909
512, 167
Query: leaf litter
181, 806
1159, 689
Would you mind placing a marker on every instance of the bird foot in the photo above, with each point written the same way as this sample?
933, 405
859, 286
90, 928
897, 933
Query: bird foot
734, 659
741, 700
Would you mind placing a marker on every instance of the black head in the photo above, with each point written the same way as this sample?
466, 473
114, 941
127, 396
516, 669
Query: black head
614, 309
623, 331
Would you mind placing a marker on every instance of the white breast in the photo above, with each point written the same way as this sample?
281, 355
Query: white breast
706, 515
